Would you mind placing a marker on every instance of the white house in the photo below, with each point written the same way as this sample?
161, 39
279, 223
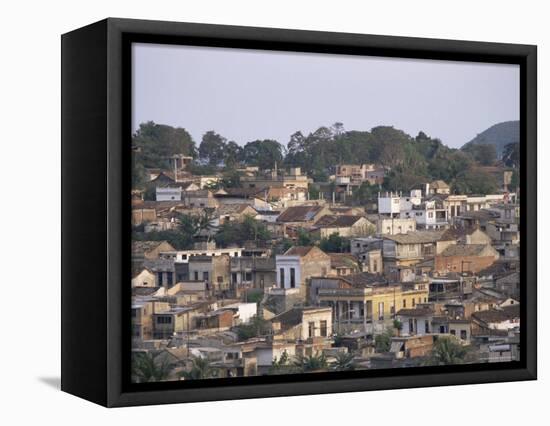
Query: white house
168, 194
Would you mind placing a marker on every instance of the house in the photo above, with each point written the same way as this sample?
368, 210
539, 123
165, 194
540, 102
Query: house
412, 346
174, 321
408, 249
233, 213
438, 187
459, 327
208, 249
302, 215
221, 319
465, 258
429, 214
298, 264
285, 197
214, 270
393, 226
343, 264
252, 272
371, 305
143, 213
168, 193
142, 313
145, 278
302, 324
255, 197
344, 225
415, 321
505, 318
147, 250
467, 235
293, 178
202, 198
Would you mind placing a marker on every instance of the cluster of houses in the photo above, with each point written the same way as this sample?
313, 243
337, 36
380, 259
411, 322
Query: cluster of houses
423, 266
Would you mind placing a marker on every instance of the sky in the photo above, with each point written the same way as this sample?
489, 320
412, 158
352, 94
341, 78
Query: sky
246, 95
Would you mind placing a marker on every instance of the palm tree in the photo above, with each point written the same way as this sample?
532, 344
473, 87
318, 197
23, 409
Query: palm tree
149, 367
447, 351
200, 369
311, 362
344, 362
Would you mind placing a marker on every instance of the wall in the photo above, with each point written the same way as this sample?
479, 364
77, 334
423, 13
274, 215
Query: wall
30, 95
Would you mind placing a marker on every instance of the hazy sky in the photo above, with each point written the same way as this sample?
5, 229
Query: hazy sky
250, 94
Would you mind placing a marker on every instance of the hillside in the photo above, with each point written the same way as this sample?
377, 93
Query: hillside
499, 135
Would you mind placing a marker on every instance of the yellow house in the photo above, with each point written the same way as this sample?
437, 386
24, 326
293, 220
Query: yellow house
353, 306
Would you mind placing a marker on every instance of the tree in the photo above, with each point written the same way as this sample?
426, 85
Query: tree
334, 244
200, 369
447, 351
150, 367
238, 232
365, 193
311, 363
154, 144
263, 153
475, 181
382, 341
281, 365
233, 154
510, 155
256, 327
344, 362
305, 238
212, 148
485, 154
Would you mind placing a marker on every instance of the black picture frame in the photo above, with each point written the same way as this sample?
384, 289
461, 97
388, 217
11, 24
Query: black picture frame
96, 136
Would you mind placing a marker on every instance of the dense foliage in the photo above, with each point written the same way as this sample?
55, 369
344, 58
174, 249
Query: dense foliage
409, 161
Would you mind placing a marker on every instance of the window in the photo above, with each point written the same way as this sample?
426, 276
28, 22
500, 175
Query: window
404, 303
381, 310
220, 279
160, 276
164, 320
374, 266
205, 275
453, 332
196, 275
262, 280
292, 277
248, 276
282, 277
463, 334
323, 327
413, 302
311, 329
426, 326
411, 326
234, 277
170, 278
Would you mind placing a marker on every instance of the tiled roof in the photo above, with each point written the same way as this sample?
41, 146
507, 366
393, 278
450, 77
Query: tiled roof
498, 315
337, 221
416, 312
299, 214
416, 237
463, 250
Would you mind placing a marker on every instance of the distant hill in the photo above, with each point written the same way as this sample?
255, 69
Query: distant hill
499, 135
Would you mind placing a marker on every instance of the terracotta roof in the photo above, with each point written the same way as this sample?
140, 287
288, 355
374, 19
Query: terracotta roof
303, 251
463, 250
416, 237
338, 260
416, 312
299, 214
145, 246
439, 184
144, 291
337, 221
498, 315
